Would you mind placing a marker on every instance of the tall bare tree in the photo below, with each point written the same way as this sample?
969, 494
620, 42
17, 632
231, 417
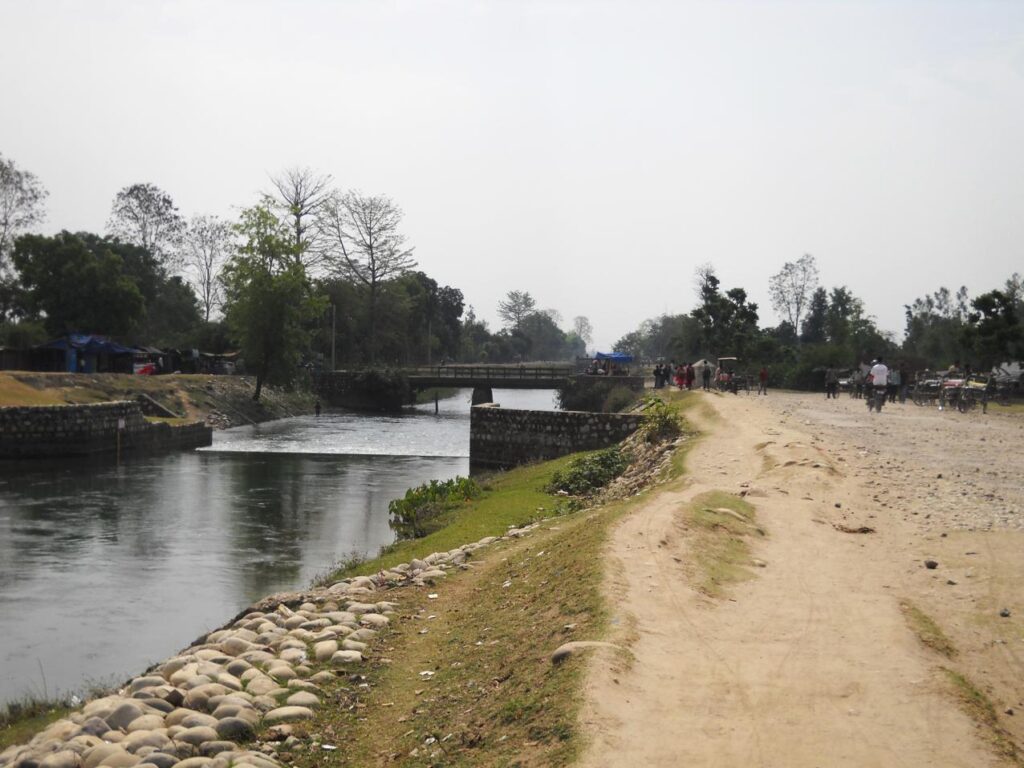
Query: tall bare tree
361, 238
145, 215
21, 204
300, 194
207, 246
516, 307
581, 327
791, 288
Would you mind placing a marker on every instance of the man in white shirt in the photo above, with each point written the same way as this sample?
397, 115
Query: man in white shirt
879, 380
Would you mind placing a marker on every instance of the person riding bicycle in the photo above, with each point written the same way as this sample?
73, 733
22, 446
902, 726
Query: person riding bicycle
879, 382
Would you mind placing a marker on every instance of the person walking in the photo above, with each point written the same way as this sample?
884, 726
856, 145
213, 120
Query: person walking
831, 383
762, 381
879, 383
705, 375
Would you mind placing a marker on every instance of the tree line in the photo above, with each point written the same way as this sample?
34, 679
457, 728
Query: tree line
829, 327
307, 274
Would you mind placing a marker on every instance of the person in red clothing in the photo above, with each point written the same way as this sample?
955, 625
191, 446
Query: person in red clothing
762, 381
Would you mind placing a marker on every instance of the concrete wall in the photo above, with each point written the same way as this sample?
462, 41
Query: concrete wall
78, 430
500, 438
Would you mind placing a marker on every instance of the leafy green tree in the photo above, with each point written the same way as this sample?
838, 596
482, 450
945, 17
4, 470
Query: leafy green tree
935, 327
994, 329
815, 322
727, 320
270, 304
78, 282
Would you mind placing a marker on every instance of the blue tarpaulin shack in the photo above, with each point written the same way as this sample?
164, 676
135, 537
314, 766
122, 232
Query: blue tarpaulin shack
615, 357
85, 353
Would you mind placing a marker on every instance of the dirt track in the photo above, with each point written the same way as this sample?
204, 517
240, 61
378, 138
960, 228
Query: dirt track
812, 662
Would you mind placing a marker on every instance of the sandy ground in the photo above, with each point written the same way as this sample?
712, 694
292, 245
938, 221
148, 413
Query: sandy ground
812, 663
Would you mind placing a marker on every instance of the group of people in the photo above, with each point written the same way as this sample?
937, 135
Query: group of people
603, 368
888, 384
683, 375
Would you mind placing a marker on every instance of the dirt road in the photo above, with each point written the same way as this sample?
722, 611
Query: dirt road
812, 662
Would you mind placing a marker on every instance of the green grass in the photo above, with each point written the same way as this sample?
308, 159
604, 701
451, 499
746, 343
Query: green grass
927, 631
494, 698
20, 721
722, 525
516, 497
982, 711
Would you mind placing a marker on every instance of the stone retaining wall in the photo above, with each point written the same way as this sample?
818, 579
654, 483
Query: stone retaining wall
78, 430
500, 438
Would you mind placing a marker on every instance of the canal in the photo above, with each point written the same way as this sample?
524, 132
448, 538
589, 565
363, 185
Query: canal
106, 569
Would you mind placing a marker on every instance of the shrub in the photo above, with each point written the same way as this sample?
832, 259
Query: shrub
588, 474
660, 421
418, 512
619, 399
589, 393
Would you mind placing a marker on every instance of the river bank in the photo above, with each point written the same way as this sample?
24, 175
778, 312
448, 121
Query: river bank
514, 499
218, 401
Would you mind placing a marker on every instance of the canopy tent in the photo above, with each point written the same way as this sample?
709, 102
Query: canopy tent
87, 353
615, 357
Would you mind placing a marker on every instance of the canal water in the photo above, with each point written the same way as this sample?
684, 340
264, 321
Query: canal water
106, 569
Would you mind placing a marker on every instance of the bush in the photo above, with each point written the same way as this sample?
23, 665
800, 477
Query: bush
591, 393
619, 399
589, 473
418, 512
660, 421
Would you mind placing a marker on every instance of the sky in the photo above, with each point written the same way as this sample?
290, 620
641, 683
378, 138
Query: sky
592, 153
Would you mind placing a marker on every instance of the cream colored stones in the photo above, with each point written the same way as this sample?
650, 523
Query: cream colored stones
353, 645
323, 651
287, 715
346, 657
374, 620
303, 699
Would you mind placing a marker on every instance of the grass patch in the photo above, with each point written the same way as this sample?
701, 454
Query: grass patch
493, 696
513, 498
465, 678
21, 720
982, 711
927, 631
722, 525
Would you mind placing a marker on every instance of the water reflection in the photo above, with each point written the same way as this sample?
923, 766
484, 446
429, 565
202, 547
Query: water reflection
105, 569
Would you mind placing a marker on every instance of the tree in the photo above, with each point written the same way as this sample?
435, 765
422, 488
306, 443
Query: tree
21, 204
78, 282
816, 321
269, 301
727, 321
792, 287
994, 330
301, 193
364, 245
581, 327
516, 307
145, 215
207, 245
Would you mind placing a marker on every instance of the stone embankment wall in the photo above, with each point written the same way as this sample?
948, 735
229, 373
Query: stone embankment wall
80, 430
500, 438
263, 674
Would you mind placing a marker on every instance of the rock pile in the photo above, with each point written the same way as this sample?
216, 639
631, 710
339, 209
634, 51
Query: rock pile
195, 709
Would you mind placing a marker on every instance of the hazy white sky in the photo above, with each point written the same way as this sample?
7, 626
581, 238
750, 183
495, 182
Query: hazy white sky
592, 153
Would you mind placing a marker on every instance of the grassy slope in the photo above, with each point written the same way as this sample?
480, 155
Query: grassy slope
191, 395
493, 696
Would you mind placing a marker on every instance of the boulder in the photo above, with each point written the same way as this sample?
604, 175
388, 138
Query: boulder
123, 715
65, 758
145, 723
197, 735
322, 651
287, 715
374, 620
235, 729
303, 699
346, 657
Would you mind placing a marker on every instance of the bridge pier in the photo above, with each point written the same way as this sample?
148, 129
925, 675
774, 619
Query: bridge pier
482, 395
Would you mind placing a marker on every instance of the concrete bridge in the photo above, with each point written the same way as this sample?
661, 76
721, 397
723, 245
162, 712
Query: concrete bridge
344, 387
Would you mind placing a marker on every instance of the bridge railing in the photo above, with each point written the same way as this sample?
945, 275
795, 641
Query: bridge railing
516, 372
